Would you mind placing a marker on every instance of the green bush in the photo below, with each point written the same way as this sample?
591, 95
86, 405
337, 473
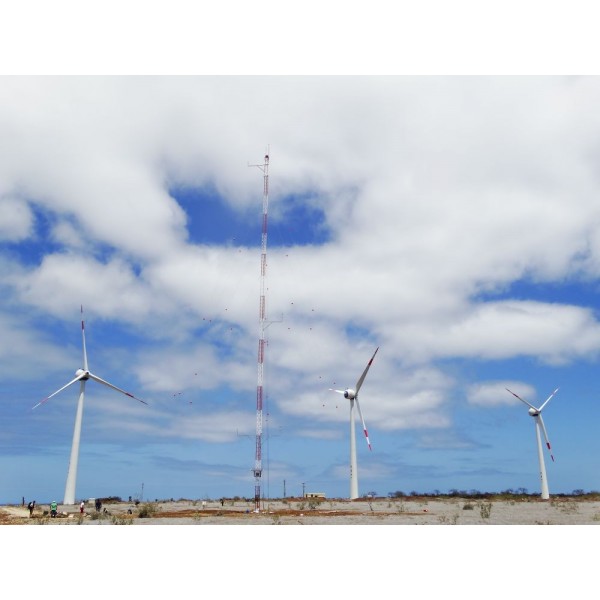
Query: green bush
147, 511
485, 509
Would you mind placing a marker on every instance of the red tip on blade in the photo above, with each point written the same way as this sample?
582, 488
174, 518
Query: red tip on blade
39, 403
138, 399
373, 357
367, 436
551, 455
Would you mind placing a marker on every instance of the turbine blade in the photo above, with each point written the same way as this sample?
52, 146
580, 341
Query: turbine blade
521, 399
362, 377
546, 436
85, 361
338, 391
363, 423
548, 399
114, 387
57, 391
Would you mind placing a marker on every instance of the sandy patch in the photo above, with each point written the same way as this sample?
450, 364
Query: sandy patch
408, 511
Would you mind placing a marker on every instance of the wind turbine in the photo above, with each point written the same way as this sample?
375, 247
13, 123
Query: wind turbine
82, 375
536, 413
352, 395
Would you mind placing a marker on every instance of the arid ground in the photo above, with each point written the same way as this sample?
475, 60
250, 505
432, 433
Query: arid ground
381, 511
344, 561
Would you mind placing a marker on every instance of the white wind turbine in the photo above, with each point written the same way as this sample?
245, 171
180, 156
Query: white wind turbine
82, 375
540, 428
352, 395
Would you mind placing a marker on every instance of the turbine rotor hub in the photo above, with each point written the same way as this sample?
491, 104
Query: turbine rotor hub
350, 394
533, 412
82, 374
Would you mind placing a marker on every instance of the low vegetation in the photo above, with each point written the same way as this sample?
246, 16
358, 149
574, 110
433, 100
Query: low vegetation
518, 495
147, 511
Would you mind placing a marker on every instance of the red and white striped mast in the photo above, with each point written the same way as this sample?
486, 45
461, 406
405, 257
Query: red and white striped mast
262, 313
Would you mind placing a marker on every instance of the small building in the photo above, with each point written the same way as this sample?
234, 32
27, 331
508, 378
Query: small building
315, 495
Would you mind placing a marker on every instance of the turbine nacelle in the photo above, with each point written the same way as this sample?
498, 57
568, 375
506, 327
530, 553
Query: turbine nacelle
350, 394
533, 412
82, 374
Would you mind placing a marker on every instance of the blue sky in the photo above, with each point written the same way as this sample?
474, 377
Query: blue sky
453, 222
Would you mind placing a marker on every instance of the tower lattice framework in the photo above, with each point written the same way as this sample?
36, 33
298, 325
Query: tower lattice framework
262, 314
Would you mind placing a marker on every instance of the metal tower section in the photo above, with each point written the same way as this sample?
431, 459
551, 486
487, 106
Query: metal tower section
262, 313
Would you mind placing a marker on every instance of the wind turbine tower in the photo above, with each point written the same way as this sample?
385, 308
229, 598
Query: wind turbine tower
351, 394
540, 429
262, 313
82, 375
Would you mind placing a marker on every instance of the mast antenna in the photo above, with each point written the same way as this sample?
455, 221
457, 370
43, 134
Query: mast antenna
262, 313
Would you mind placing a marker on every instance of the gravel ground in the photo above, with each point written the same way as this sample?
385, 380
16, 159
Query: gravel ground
345, 561
408, 511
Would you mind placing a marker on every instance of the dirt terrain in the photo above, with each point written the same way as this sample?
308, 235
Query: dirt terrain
381, 557
381, 511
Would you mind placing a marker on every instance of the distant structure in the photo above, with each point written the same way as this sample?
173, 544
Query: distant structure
262, 313
352, 395
81, 375
540, 428
315, 495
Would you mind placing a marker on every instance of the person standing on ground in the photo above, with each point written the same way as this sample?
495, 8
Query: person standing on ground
81, 507
31, 506
53, 507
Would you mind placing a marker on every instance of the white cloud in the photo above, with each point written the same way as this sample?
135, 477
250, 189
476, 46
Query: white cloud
497, 330
435, 191
17, 220
26, 351
64, 282
494, 393
215, 427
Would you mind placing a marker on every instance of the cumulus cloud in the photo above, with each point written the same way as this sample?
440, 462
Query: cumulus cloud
436, 194
494, 393
26, 349
17, 219
497, 330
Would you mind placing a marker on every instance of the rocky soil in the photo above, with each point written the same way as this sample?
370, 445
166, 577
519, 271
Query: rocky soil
406, 511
